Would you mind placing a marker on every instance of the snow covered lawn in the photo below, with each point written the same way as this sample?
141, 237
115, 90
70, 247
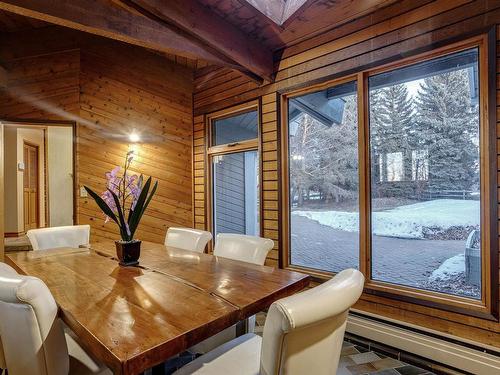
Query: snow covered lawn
405, 221
450, 267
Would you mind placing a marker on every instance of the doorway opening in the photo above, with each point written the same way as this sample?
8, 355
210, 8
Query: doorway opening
39, 179
31, 186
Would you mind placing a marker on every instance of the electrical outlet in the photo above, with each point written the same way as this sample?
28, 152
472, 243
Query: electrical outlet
83, 192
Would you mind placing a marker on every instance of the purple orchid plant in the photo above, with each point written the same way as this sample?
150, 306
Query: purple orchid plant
125, 199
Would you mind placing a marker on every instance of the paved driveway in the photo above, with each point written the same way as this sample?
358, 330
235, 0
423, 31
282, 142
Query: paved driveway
396, 260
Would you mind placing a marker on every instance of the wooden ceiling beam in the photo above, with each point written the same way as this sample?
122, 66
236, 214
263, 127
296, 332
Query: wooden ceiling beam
212, 30
105, 19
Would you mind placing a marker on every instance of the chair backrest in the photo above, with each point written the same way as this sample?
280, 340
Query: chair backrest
67, 236
32, 335
304, 332
6, 270
188, 239
241, 247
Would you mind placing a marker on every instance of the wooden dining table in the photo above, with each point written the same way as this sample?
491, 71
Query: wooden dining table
133, 318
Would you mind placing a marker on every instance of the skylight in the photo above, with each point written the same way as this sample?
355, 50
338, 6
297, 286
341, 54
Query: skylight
277, 10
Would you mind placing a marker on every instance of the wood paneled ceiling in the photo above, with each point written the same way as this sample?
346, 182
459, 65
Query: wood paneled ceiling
312, 18
245, 35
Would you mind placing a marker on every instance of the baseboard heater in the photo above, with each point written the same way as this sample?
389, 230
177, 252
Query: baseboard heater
435, 346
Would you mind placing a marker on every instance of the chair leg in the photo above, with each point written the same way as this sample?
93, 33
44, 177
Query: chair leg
158, 369
241, 327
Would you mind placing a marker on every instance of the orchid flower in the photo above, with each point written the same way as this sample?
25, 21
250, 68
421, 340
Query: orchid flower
125, 198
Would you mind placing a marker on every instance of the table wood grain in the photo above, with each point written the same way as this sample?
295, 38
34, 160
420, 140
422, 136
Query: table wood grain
132, 318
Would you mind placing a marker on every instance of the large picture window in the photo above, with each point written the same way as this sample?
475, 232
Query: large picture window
425, 185
323, 164
390, 172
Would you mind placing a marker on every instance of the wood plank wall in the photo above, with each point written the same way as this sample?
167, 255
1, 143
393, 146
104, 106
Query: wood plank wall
109, 89
399, 30
270, 165
199, 173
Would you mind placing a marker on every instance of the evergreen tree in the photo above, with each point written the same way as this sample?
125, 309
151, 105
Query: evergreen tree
324, 159
377, 173
339, 158
391, 118
447, 129
301, 149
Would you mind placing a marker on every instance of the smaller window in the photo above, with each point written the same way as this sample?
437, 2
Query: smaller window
420, 165
393, 162
234, 165
238, 128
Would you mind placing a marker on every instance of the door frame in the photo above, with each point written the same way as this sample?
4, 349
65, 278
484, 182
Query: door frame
37, 205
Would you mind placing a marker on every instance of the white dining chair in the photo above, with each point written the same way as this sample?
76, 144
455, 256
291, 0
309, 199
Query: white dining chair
188, 239
3, 365
67, 236
249, 249
241, 247
303, 334
5, 270
33, 338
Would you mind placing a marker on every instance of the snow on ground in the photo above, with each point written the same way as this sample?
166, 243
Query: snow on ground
449, 268
405, 221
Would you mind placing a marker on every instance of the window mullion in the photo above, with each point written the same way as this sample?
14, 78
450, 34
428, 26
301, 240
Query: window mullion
364, 177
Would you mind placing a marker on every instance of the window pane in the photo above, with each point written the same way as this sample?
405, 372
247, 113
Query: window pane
424, 139
323, 167
236, 193
235, 128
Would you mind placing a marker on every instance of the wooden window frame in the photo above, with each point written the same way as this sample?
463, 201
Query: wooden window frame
229, 148
487, 306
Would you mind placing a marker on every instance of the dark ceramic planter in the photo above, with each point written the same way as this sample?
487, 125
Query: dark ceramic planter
128, 252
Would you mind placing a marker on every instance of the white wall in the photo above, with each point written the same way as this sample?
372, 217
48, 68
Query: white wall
60, 175
10, 168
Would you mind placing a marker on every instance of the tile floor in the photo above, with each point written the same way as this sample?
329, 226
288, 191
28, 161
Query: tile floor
357, 360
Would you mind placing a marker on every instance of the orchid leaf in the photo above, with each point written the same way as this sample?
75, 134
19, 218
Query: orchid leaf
102, 205
153, 191
131, 211
122, 225
146, 204
136, 214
